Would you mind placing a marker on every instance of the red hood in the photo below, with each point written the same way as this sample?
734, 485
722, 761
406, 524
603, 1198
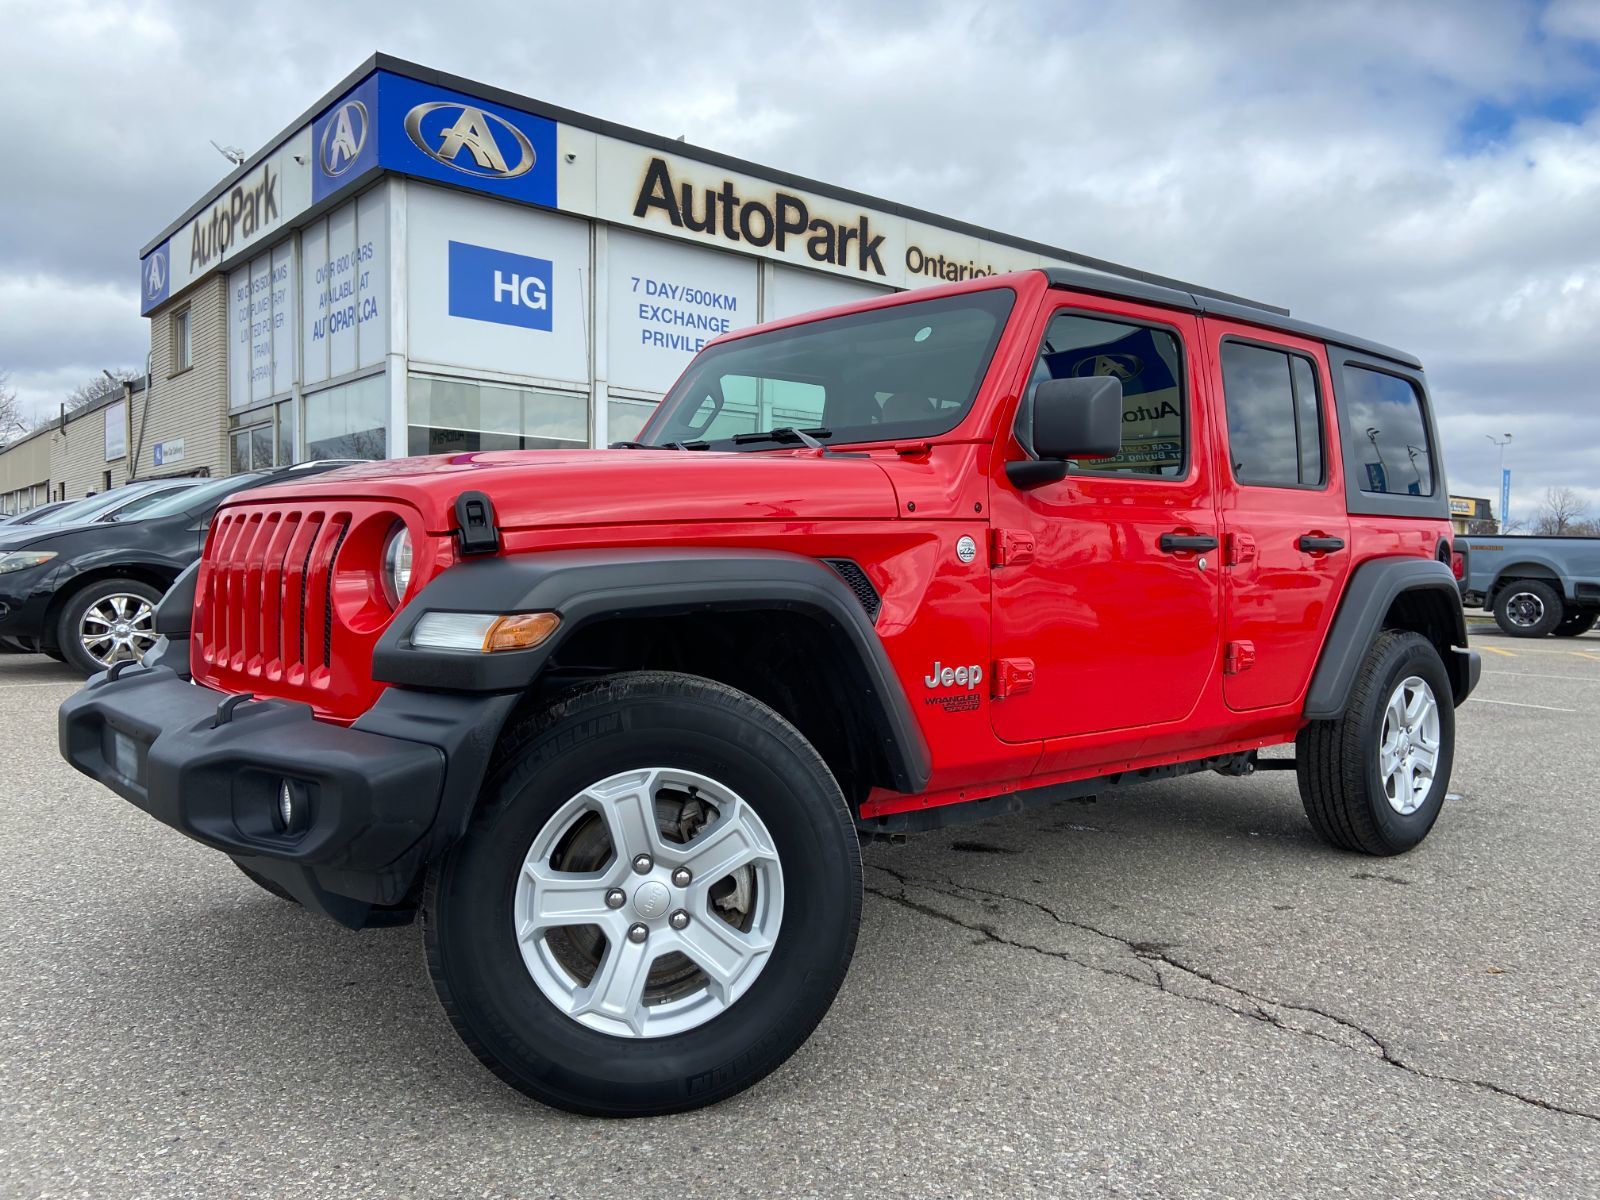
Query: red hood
545, 488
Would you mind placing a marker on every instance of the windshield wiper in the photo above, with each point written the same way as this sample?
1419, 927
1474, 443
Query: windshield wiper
694, 445
785, 433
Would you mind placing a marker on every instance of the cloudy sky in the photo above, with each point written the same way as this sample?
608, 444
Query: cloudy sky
1427, 174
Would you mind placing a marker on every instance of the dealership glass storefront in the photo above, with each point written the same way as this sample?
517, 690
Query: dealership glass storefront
452, 416
424, 268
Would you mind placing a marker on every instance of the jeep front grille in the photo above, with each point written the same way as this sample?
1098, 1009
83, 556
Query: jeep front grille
265, 594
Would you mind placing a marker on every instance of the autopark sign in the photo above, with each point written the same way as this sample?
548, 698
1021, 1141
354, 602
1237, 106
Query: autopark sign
253, 207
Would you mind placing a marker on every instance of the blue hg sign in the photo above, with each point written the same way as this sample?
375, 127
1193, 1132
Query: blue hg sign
499, 286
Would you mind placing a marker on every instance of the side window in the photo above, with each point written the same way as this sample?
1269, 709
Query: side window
1154, 408
1274, 416
1391, 440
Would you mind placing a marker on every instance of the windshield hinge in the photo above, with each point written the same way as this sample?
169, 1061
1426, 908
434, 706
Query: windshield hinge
475, 517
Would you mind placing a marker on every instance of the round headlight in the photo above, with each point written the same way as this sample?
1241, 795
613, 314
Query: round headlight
397, 565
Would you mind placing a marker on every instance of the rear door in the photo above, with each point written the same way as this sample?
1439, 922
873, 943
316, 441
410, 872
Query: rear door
1286, 531
1105, 585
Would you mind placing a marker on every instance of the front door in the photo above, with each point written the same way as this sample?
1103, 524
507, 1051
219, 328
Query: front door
1283, 516
1107, 585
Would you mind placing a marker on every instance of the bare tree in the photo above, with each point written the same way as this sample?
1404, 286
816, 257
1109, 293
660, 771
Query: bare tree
12, 422
86, 394
1562, 511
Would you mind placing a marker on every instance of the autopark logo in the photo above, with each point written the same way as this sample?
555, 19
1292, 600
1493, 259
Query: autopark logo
344, 138
470, 139
155, 275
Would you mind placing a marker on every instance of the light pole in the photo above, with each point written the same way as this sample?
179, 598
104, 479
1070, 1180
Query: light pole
1505, 491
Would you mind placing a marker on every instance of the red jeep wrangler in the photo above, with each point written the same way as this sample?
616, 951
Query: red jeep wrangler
614, 721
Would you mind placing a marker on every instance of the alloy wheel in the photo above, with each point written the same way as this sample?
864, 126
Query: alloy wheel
1525, 610
649, 903
1408, 748
117, 628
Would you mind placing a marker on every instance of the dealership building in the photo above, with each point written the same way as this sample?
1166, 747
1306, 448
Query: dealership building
422, 264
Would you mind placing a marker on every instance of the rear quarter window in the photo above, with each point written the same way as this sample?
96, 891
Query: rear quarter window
1388, 433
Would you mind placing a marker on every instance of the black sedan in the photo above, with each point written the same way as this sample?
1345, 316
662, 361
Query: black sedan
86, 594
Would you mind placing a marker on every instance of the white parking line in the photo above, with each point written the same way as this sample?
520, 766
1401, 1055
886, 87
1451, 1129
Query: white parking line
1516, 704
6, 687
1536, 675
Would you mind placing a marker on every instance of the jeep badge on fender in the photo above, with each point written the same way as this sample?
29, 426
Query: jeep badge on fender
943, 676
622, 760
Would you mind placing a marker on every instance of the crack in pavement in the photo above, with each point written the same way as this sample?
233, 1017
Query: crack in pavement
1155, 956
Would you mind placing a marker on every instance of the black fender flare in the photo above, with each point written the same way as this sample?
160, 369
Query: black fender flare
1373, 588
585, 586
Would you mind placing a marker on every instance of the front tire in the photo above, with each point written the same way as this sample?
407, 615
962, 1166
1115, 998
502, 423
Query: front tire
1528, 608
655, 903
107, 622
1375, 779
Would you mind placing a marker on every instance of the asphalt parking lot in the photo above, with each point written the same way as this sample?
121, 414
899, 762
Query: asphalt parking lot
1170, 991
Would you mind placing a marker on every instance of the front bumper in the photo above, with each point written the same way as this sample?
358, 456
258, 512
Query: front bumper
211, 766
22, 608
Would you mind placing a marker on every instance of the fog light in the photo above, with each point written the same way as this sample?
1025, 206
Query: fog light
294, 806
124, 755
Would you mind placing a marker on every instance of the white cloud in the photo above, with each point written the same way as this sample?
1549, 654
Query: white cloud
1410, 186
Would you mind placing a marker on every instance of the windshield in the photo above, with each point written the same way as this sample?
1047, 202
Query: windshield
37, 516
141, 507
199, 497
79, 510
910, 371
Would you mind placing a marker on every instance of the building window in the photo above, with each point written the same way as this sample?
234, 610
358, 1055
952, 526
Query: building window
625, 419
455, 416
1274, 416
251, 449
349, 421
182, 341
286, 442
1385, 416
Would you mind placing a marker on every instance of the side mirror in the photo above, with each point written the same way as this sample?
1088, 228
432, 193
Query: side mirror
1072, 418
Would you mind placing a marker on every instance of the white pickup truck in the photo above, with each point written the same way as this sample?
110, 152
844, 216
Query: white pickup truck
1535, 586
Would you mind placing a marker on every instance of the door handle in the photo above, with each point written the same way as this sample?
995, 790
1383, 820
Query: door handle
1313, 543
1175, 543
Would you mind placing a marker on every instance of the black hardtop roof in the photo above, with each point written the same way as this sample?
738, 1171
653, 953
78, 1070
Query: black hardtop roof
1173, 294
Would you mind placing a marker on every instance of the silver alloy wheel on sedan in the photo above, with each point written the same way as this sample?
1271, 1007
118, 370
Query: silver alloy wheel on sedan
1408, 749
649, 903
1525, 610
118, 627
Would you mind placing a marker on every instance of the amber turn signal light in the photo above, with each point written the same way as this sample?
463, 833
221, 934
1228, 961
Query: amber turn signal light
520, 631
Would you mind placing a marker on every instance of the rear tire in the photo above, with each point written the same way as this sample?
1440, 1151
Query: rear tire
527, 971
1361, 776
1528, 608
1576, 623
